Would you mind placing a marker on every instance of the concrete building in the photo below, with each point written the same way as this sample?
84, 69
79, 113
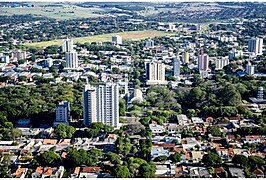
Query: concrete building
67, 45
149, 43
250, 69
5, 59
71, 60
234, 54
176, 63
19, 55
101, 104
185, 57
117, 40
62, 113
255, 45
260, 93
136, 96
203, 61
221, 62
155, 73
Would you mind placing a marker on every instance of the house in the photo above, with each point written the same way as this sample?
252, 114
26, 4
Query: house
48, 172
252, 139
159, 151
20, 172
156, 129
199, 172
236, 172
75, 172
222, 152
182, 120
49, 142
164, 170
64, 142
196, 156
90, 172
171, 128
180, 171
189, 143
197, 120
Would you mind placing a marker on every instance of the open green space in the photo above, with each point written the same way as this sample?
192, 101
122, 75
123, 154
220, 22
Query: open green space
57, 12
130, 35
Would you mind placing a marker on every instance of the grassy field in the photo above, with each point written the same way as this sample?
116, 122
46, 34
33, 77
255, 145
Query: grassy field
60, 13
130, 35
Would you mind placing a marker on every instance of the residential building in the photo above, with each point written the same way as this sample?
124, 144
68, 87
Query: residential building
255, 45
176, 67
19, 55
149, 43
221, 62
101, 104
250, 69
62, 113
203, 61
260, 93
71, 60
67, 45
117, 40
155, 73
185, 57
235, 54
5, 59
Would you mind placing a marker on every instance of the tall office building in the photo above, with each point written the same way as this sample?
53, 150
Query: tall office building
101, 104
117, 40
255, 45
155, 73
203, 61
185, 57
250, 69
71, 60
176, 63
67, 45
62, 113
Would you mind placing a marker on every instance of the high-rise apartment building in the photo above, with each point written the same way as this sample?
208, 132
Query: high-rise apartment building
71, 60
117, 40
62, 113
149, 43
185, 57
101, 104
155, 73
203, 61
67, 45
176, 63
221, 62
260, 93
255, 45
250, 69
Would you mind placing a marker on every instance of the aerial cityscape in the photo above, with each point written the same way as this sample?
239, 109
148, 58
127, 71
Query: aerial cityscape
132, 89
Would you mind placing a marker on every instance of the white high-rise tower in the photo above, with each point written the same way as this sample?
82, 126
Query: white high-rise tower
71, 60
67, 45
176, 67
255, 45
101, 104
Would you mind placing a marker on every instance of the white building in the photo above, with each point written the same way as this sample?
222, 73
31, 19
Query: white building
155, 73
5, 59
176, 67
67, 45
255, 45
117, 40
250, 69
101, 104
221, 62
260, 93
235, 54
149, 43
72, 60
62, 113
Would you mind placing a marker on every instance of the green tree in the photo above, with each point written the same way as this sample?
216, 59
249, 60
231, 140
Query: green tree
240, 160
4, 166
177, 157
147, 170
64, 131
121, 171
48, 158
211, 159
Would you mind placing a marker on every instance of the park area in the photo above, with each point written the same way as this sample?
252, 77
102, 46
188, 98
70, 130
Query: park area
130, 35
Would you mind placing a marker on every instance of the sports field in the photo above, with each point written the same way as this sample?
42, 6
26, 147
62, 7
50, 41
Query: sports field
130, 35
62, 12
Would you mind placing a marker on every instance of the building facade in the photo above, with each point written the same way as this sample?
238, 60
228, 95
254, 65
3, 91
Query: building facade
220, 63
101, 104
155, 72
62, 113
176, 67
255, 45
117, 40
203, 62
72, 60
67, 45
